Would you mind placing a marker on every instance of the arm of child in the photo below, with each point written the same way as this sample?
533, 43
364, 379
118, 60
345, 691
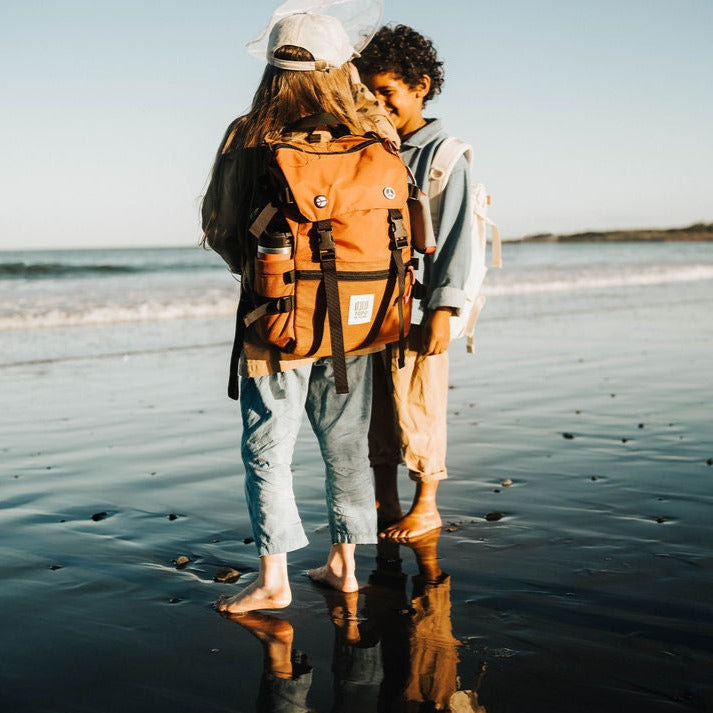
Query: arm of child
451, 261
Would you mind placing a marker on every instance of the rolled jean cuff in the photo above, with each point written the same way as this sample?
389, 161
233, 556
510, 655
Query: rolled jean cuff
280, 546
355, 538
428, 477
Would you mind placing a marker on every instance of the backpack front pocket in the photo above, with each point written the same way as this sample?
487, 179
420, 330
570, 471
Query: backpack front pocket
275, 288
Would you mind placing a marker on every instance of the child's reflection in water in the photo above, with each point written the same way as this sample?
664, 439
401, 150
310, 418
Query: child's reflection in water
399, 656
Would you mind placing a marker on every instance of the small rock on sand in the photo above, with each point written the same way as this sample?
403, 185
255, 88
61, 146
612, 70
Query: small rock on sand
181, 561
226, 574
568, 436
55, 567
641, 425
248, 540
493, 516
660, 520
174, 600
451, 529
624, 440
99, 516
506, 482
709, 461
173, 516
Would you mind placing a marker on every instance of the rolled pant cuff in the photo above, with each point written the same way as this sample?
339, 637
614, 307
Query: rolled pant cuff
355, 538
278, 547
428, 477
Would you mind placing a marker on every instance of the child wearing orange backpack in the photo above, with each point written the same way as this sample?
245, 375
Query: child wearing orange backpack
308, 74
402, 69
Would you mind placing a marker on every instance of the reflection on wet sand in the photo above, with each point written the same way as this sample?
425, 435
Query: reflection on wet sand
398, 654
420, 650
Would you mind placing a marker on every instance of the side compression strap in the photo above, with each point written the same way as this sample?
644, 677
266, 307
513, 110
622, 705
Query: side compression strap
399, 240
328, 261
233, 378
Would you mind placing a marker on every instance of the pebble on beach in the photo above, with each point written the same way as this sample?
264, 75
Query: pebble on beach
709, 461
506, 482
226, 574
173, 516
493, 516
99, 516
568, 436
181, 561
248, 540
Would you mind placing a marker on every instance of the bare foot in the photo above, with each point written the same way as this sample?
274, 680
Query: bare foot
421, 518
255, 596
327, 577
413, 525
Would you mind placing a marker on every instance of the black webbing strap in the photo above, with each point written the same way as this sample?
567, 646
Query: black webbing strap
315, 120
328, 262
258, 226
399, 240
271, 306
233, 377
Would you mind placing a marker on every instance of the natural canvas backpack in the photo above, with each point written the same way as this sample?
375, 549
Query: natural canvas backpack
444, 160
332, 248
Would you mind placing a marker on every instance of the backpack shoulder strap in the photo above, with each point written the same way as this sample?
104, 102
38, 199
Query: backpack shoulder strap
444, 161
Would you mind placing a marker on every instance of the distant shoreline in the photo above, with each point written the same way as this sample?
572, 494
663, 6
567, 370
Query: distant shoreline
698, 232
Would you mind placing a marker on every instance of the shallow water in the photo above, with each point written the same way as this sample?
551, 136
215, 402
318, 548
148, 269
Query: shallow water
591, 592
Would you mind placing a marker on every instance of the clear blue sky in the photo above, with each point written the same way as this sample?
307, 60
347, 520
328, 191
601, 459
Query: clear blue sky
583, 115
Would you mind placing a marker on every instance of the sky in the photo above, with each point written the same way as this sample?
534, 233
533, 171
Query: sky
582, 115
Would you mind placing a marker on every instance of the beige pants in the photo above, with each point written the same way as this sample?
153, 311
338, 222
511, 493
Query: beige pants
409, 425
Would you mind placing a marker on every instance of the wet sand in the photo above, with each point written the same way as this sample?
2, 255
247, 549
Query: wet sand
591, 592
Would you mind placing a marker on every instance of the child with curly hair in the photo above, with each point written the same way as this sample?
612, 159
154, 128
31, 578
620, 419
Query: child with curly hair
401, 67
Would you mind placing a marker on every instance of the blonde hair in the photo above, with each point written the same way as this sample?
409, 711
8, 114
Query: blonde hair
281, 99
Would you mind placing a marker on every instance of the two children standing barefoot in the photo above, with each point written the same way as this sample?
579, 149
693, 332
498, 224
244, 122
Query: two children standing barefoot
401, 68
308, 74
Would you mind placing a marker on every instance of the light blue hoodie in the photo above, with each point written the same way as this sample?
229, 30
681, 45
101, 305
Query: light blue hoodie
445, 271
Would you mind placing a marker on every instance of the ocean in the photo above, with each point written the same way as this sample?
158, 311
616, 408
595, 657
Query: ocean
59, 304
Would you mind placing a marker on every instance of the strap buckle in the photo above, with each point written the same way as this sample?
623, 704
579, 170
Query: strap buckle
327, 246
397, 229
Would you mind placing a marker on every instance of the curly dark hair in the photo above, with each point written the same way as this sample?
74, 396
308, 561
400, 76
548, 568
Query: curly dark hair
403, 52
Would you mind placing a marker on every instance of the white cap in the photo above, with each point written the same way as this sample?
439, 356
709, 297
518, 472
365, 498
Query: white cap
321, 35
332, 31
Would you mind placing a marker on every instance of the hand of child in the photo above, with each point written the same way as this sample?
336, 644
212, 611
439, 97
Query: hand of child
437, 332
354, 74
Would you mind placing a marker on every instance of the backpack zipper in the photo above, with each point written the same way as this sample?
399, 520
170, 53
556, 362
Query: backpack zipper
344, 275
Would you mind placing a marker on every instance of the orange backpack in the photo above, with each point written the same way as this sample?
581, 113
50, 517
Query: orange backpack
332, 249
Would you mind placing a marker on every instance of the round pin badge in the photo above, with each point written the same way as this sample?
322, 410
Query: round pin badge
389, 193
321, 201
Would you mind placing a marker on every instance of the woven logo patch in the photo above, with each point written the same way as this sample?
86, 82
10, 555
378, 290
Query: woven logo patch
360, 309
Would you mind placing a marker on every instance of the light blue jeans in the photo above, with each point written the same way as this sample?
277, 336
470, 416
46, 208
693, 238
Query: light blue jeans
272, 409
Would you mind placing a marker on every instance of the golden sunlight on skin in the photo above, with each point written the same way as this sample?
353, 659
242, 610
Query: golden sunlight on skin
339, 572
403, 103
271, 589
420, 519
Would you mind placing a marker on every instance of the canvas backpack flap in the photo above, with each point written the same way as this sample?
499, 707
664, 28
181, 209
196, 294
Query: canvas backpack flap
343, 200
